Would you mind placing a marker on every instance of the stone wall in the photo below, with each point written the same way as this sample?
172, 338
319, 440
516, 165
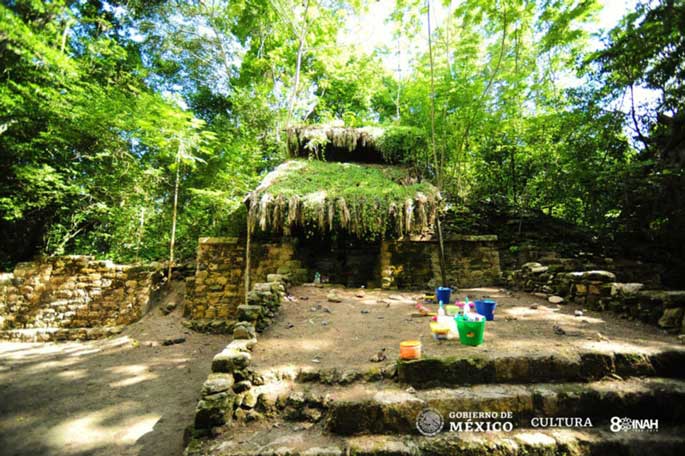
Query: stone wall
572, 257
599, 290
471, 261
217, 289
231, 392
73, 297
214, 294
270, 256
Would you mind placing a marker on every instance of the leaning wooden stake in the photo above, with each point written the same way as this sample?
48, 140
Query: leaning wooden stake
436, 162
247, 259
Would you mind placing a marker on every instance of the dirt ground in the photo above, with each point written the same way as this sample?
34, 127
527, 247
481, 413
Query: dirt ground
124, 395
128, 395
311, 332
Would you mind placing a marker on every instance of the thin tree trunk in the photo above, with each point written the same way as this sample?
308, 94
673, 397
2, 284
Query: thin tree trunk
247, 260
399, 74
481, 99
141, 228
430, 56
634, 117
438, 171
172, 242
298, 66
65, 35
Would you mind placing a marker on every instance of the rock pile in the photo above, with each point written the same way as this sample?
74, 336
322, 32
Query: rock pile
229, 393
599, 290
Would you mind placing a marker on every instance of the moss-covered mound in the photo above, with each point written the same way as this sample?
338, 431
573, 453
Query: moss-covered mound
369, 201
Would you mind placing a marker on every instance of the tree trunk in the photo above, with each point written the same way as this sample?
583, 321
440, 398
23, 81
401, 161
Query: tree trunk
141, 228
247, 260
172, 242
298, 66
399, 74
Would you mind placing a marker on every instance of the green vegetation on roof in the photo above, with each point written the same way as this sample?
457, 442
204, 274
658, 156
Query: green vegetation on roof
370, 201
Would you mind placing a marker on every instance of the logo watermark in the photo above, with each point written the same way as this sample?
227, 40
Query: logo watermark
560, 422
625, 424
481, 421
429, 422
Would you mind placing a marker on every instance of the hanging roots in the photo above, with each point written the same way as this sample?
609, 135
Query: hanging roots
303, 141
367, 215
280, 215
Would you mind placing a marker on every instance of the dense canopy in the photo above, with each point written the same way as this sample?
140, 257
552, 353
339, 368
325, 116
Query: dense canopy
126, 126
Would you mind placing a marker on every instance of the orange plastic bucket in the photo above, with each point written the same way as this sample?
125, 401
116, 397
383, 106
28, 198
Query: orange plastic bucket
410, 349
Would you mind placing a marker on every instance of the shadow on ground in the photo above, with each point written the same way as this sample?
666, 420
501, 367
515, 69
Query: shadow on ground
125, 395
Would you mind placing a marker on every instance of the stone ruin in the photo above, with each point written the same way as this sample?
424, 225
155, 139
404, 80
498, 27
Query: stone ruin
601, 290
79, 298
72, 298
216, 290
301, 226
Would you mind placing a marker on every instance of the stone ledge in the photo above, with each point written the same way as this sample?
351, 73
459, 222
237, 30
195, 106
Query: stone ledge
59, 334
451, 238
393, 410
218, 240
522, 441
587, 366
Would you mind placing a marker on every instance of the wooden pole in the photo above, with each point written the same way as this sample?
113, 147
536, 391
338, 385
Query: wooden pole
437, 163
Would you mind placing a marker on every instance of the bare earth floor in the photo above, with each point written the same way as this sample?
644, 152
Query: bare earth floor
125, 395
313, 333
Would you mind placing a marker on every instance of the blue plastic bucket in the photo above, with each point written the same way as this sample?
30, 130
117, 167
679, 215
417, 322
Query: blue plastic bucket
486, 307
443, 294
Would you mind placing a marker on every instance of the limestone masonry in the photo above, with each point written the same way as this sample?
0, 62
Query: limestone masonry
217, 289
72, 297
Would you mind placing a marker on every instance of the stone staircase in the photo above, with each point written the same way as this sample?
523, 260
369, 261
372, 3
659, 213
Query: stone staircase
520, 442
394, 410
309, 412
73, 298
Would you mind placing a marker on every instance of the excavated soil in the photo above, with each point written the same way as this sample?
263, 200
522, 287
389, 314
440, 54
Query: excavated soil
311, 332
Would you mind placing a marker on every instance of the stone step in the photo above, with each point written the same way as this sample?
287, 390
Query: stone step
548, 367
364, 408
520, 442
54, 334
545, 367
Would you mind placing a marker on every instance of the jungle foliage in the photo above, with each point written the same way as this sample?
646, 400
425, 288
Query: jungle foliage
102, 102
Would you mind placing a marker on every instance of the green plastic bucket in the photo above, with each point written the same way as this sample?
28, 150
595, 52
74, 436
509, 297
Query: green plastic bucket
470, 332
